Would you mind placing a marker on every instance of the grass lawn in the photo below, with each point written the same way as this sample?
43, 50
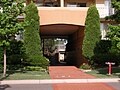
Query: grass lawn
103, 73
26, 75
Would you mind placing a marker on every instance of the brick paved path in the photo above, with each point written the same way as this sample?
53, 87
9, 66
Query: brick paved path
71, 72
67, 72
82, 86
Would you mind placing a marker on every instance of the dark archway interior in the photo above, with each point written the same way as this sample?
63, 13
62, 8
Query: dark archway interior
73, 34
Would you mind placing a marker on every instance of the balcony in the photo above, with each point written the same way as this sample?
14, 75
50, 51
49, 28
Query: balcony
104, 11
103, 7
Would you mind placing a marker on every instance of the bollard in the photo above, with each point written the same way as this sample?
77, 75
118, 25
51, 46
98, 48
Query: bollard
110, 67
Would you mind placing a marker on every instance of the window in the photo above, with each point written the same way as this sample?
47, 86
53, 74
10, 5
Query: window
81, 4
74, 4
104, 30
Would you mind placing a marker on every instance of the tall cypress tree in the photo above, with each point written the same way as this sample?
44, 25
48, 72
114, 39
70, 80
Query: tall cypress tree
92, 32
32, 40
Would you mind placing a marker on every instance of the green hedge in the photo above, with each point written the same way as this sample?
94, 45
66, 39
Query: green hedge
105, 53
39, 61
34, 68
100, 59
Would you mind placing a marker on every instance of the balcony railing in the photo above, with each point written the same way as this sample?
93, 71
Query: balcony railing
104, 11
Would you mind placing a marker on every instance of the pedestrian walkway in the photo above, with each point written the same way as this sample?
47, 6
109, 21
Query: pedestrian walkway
71, 72
68, 72
82, 86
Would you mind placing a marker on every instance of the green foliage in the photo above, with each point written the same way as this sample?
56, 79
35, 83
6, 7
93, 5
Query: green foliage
114, 33
1, 54
100, 59
38, 60
104, 52
9, 25
15, 53
1, 67
31, 37
103, 72
31, 34
104, 46
116, 6
85, 66
34, 68
114, 36
1, 58
92, 32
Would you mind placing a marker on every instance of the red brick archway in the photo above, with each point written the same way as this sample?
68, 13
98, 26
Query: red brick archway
73, 33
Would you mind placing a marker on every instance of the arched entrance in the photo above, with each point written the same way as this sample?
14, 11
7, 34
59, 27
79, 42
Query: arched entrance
74, 35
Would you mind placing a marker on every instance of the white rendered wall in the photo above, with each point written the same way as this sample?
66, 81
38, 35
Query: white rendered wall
104, 9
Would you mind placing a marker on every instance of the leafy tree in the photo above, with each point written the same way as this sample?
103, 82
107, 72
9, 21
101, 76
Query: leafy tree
116, 6
114, 36
92, 32
114, 33
9, 25
15, 52
32, 40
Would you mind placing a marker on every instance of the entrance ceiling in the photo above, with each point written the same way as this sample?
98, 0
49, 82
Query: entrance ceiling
59, 30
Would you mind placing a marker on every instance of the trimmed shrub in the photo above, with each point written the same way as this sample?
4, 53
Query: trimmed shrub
92, 32
100, 59
105, 53
38, 60
104, 46
32, 42
34, 68
85, 66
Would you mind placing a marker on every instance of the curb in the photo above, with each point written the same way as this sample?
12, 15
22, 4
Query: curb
54, 81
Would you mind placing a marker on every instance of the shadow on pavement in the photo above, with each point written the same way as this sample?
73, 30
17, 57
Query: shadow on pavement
3, 87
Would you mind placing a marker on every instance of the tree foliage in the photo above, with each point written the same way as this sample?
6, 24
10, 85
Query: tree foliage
114, 36
32, 40
92, 32
15, 53
116, 6
31, 34
114, 33
9, 25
